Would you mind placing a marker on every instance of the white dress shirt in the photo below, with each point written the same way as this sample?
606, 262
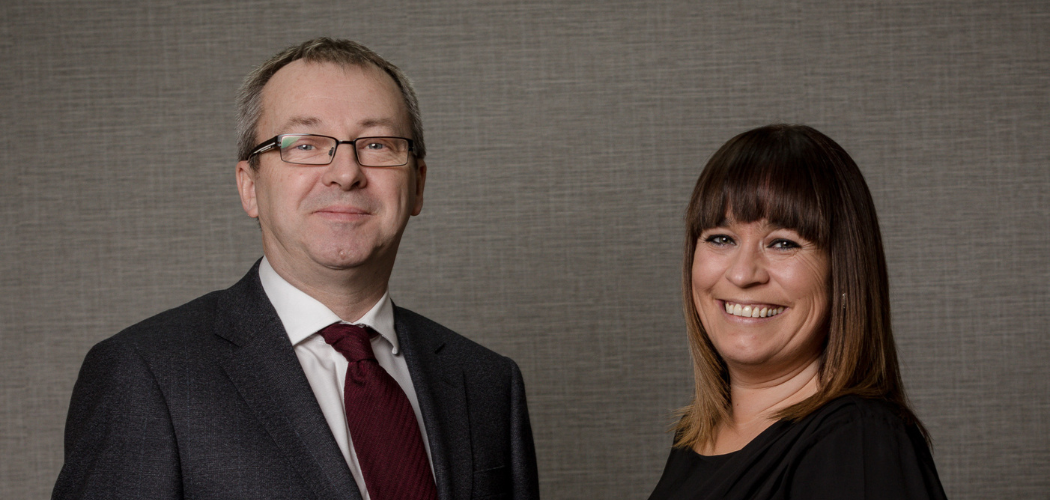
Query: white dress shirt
325, 368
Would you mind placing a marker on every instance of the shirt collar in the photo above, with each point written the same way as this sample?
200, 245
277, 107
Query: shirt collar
303, 315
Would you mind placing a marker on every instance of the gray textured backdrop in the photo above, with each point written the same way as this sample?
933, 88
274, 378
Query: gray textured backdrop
565, 138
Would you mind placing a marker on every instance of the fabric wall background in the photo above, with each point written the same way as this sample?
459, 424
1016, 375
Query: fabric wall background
565, 137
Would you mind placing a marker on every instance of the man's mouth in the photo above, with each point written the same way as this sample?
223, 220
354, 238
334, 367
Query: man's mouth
342, 211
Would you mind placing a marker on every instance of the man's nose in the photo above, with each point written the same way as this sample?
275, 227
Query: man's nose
345, 171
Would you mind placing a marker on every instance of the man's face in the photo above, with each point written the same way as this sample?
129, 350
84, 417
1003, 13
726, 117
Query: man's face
337, 216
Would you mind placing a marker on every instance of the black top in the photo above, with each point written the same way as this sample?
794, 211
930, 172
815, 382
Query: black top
852, 448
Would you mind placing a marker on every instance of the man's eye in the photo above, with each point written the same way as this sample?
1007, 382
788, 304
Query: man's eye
375, 146
305, 147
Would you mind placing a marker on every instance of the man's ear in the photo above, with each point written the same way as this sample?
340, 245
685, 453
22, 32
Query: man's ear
421, 179
246, 188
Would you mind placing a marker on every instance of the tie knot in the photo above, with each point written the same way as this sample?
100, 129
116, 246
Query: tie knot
352, 341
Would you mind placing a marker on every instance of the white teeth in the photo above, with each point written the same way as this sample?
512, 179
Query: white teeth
752, 311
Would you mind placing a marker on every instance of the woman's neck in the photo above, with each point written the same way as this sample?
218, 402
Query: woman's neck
761, 397
757, 400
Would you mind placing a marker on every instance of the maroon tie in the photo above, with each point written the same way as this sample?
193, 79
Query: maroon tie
382, 425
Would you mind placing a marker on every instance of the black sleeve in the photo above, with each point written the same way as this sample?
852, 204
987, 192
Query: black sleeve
523, 459
119, 439
867, 459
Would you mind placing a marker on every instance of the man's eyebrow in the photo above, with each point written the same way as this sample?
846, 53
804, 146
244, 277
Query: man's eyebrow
311, 121
306, 121
382, 122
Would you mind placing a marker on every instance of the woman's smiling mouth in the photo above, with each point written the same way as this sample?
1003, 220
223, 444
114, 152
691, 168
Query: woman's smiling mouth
752, 310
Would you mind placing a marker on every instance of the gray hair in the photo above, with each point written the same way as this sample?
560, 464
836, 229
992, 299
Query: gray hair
320, 50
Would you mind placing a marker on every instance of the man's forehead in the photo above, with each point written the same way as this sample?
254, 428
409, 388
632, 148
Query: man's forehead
305, 122
308, 121
290, 94
301, 72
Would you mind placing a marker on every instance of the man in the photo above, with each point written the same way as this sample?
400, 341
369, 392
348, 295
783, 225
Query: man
303, 380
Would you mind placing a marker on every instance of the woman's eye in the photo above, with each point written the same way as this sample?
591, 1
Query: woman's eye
783, 244
719, 239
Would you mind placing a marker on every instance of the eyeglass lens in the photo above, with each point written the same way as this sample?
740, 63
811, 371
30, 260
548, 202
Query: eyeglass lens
319, 150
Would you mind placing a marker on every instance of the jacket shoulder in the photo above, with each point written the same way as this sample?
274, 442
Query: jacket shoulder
424, 333
173, 327
193, 322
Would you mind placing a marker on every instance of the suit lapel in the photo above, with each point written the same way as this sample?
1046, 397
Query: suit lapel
267, 374
442, 401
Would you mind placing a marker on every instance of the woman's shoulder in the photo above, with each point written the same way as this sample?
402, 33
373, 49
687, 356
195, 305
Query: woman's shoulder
860, 444
855, 419
853, 409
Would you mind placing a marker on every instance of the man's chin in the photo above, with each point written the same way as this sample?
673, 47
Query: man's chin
350, 259
342, 262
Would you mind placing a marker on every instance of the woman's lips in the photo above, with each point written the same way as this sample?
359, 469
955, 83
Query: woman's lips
752, 310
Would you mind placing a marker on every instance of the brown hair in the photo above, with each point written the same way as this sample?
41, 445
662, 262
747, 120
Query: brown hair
796, 177
320, 50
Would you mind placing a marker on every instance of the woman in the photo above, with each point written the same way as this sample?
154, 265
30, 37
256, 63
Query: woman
798, 392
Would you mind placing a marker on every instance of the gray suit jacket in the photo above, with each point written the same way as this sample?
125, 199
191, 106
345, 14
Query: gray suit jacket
208, 400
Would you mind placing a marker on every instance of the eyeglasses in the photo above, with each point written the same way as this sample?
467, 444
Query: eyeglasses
310, 149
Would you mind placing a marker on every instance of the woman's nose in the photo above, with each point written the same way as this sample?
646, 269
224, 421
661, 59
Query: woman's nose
747, 267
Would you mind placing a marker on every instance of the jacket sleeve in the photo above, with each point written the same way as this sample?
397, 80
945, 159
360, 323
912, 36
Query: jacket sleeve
523, 450
119, 440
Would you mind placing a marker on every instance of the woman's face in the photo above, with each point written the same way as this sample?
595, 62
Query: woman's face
760, 291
